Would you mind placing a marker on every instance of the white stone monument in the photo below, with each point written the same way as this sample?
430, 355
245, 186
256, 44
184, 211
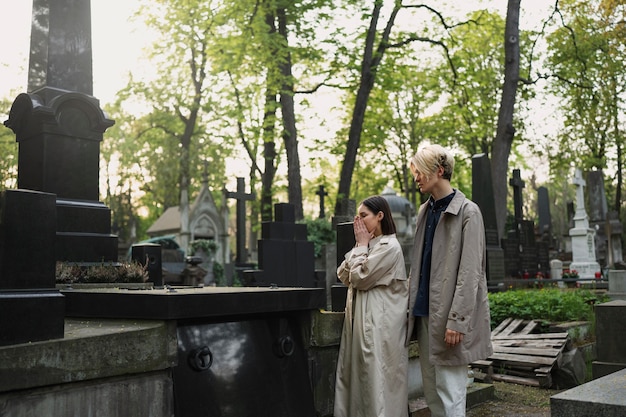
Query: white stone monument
583, 243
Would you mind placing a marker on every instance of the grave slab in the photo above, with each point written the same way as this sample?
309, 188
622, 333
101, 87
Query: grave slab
189, 303
604, 397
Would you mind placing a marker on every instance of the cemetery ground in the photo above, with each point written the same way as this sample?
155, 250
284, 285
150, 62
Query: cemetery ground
512, 400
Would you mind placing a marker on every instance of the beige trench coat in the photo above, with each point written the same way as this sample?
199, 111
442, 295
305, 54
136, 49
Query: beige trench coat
373, 357
458, 285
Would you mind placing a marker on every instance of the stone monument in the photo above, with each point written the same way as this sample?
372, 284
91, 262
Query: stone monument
598, 212
54, 215
59, 126
582, 236
482, 194
524, 256
286, 257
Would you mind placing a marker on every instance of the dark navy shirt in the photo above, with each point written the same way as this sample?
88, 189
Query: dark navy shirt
435, 208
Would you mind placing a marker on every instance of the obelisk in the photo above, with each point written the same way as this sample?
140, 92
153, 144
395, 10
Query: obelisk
59, 126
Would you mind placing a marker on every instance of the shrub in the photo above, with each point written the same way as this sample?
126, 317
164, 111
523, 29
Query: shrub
548, 304
320, 232
68, 273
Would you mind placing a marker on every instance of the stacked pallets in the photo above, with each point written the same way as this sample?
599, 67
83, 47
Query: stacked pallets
521, 356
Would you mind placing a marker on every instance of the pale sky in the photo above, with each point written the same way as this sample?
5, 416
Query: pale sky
117, 41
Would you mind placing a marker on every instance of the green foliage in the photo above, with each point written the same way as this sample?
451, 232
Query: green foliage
551, 305
8, 150
320, 232
218, 274
205, 245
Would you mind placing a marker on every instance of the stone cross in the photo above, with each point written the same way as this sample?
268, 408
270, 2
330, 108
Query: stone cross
321, 193
517, 184
580, 183
241, 197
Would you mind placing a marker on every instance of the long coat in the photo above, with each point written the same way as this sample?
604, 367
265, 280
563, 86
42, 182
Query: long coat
458, 286
373, 357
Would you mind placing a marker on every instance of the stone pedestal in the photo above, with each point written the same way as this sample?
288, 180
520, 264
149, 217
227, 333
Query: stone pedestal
583, 252
610, 338
617, 284
604, 397
32, 308
59, 134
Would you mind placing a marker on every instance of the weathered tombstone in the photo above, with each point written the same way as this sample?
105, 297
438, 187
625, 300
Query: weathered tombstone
482, 194
543, 212
617, 284
598, 210
556, 269
342, 222
583, 243
613, 230
286, 257
31, 307
59, 126
610, 338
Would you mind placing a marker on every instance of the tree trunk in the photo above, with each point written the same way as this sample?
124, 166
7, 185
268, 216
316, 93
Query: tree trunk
368, 76
269, 146
505, 130
269, 156
290, 134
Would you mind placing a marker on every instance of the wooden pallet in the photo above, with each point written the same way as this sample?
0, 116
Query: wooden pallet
521, 356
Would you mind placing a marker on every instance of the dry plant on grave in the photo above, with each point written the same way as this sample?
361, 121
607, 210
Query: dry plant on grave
125, 272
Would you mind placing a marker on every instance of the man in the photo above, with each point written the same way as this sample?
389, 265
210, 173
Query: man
448, 289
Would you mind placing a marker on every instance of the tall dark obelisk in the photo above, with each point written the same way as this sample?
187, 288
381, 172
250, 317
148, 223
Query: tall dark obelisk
59, 126
55, 214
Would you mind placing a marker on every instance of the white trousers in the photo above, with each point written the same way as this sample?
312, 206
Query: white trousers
445, 387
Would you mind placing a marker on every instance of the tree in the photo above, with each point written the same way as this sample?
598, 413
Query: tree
586, 59
505, 132
375, 46
8, 151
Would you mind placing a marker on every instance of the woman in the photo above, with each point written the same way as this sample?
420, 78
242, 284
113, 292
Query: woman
373, 359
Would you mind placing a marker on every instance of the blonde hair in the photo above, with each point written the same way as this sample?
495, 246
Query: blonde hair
428, 159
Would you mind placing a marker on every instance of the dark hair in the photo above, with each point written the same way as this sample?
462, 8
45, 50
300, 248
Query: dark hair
377, 203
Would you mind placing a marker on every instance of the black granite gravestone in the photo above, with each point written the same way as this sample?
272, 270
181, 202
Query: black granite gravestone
59, 127
482, 194
543, 212
31, 307
286, 257
524, 257
149, 256
345, 243
60, 46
